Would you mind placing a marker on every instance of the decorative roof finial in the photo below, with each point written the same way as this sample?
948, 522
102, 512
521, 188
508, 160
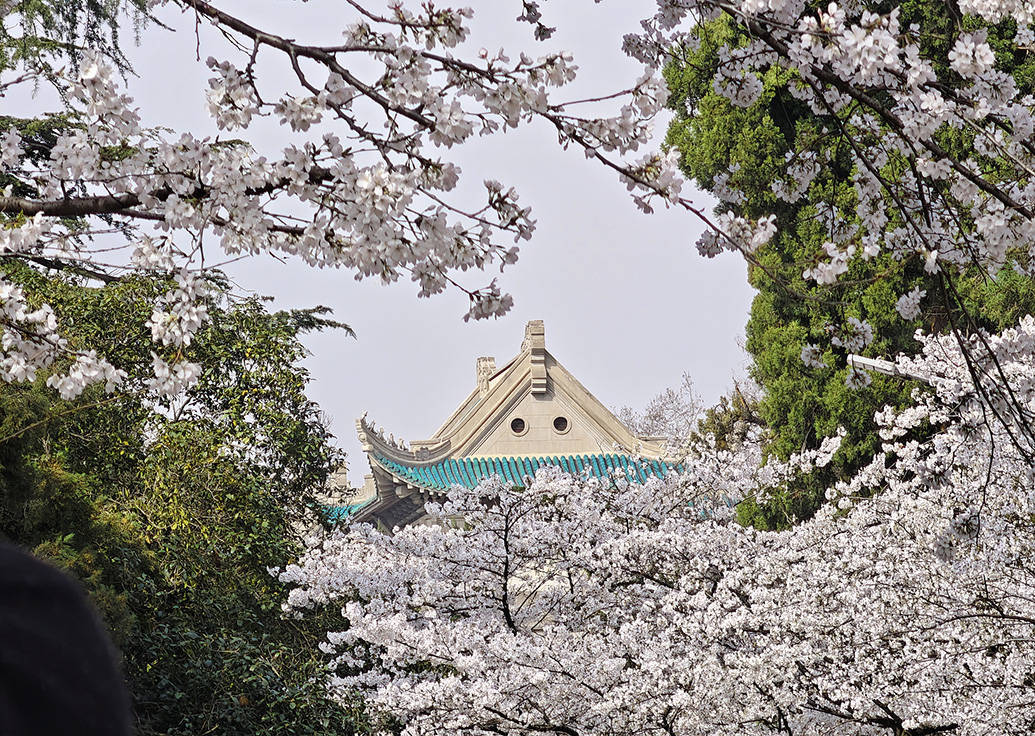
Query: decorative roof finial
484, 369
535, 335
535, 343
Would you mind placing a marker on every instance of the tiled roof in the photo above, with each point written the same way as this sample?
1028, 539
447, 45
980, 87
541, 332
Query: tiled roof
469, 472
339, 513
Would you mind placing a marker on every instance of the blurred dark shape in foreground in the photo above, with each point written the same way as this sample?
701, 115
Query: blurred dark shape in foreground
58, 669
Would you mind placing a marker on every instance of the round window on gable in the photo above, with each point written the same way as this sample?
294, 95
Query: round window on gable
518, 426
561, 424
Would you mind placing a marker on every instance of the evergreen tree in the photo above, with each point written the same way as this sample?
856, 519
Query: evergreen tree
737, 152
172, 519
43, 34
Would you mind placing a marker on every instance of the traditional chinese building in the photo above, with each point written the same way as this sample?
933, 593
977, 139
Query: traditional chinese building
528, 413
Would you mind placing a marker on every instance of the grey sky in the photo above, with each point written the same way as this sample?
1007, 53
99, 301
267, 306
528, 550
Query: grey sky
628, 304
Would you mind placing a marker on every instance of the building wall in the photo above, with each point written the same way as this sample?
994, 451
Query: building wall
540, 437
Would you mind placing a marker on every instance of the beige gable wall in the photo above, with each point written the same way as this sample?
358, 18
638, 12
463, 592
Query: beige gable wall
540, 438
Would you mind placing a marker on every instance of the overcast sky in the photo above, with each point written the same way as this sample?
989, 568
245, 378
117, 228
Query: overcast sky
628, 304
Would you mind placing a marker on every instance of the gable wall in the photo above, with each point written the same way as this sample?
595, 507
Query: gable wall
540, 437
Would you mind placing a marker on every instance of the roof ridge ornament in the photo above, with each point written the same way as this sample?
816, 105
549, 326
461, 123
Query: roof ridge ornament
484, 368
535, 343
535, 335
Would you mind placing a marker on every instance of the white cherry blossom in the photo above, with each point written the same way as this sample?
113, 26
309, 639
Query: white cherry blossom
596, 606
908, 305
361, 182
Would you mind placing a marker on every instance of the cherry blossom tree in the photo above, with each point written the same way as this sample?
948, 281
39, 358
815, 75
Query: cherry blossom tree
362, 182
579, 606
672, 415
928, 120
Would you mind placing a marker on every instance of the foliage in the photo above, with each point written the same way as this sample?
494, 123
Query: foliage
730, 422
173, 521
50, 31
739, 152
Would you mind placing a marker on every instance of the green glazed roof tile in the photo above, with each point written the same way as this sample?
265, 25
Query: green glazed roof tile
469, 472
337, 513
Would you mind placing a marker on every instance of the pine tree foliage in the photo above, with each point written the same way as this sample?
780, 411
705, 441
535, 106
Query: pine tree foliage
172, 521
42, 34
738, 152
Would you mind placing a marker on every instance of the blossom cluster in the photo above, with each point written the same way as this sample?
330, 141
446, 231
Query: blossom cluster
732, 232
591, 607
181, 312
30, 340
360, 182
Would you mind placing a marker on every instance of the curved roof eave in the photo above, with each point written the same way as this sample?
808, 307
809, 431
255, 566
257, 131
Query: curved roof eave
439, 477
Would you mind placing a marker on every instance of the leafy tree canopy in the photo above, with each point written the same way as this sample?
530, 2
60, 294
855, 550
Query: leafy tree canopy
738, 153
173, 519
41, 34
